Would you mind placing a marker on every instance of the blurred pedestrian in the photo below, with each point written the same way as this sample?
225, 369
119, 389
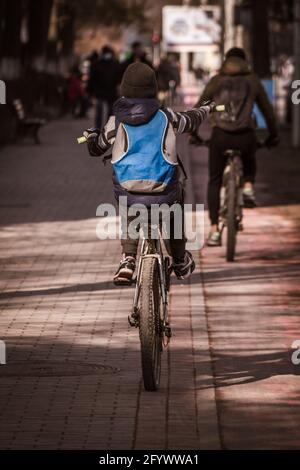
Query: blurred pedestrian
167, 71
168, 78
137, 54
76, 93
93, 59
105, 77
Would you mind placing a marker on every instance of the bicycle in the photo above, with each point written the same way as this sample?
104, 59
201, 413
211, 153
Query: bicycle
150, 306
231, 196
231, 200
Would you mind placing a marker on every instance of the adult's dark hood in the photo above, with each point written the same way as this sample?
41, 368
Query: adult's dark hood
235, 66
135, 111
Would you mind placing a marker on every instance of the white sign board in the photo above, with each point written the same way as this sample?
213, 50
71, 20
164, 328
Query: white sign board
191, 26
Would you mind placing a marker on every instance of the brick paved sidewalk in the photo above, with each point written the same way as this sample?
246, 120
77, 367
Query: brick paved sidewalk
73, 376
253, 310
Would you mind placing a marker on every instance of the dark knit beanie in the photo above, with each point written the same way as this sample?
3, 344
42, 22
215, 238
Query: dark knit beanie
139, 81
236, 52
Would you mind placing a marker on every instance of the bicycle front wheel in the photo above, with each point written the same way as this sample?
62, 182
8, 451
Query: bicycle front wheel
150, 324
231, 219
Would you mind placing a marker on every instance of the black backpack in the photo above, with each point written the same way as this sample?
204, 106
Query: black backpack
235, 93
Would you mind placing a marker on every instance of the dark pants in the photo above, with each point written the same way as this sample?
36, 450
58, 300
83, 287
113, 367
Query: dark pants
220, 141
80, 107
175, 246
103, 111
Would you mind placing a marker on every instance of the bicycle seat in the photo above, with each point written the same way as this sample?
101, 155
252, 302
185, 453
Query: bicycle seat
232, 153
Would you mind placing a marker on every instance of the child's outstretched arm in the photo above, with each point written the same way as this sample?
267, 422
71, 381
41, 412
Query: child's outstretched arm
100, 141
189, 121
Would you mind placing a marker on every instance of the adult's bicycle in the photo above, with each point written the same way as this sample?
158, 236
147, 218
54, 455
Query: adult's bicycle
231, 200
231, 196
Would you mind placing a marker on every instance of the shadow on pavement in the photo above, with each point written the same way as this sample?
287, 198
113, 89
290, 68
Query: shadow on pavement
89, 287
240, 273
238, 369
78, 410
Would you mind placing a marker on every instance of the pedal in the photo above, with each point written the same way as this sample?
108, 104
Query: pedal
222, 225
167, 331
134, 319
249, 203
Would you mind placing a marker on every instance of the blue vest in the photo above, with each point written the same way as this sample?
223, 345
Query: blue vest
144, 168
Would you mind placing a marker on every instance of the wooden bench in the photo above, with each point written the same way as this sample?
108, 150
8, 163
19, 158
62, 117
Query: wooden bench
27, 126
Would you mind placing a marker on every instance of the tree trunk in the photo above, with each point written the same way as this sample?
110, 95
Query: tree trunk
39, 20
2, 13
66, 35
52, 45
11, 39
260, 41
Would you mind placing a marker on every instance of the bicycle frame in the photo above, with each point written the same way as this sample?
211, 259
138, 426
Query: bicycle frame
151, 249
234, 167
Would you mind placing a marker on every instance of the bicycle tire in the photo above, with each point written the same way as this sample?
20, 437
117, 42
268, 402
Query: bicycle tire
150, 324
168, 268
231, 218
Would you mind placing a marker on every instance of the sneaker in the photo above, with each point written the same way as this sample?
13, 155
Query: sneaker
125, 271
249, 198
184, 268
214, 239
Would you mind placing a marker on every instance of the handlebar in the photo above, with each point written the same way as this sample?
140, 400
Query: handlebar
199, 142
81, 140
220, 108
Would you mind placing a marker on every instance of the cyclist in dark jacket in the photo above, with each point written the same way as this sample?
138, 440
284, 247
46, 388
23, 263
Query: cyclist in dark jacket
137, 54
238, 88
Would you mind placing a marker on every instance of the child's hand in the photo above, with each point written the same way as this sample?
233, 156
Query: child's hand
91, 134
211, 105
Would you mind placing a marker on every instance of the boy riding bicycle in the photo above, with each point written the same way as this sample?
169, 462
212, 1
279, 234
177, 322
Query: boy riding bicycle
144, 158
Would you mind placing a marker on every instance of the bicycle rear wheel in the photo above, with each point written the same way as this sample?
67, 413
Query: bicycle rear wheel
231, 218
150, 324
